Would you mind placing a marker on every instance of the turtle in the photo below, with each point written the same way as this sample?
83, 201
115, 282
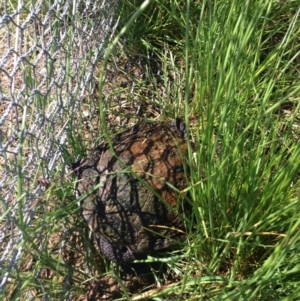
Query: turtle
129, 191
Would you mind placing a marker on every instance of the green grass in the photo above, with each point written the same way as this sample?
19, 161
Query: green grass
237, 66
230, 69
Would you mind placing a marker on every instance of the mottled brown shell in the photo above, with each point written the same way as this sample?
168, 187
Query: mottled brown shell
132, 197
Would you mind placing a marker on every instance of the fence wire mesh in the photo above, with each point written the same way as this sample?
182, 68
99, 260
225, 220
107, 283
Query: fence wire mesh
48, 55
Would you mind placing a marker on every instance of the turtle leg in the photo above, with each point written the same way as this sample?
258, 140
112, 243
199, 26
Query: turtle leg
112, 253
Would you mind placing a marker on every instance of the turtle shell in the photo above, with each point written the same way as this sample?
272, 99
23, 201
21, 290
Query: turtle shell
130, 192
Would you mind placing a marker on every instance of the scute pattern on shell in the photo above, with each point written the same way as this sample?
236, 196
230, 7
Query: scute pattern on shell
130, 204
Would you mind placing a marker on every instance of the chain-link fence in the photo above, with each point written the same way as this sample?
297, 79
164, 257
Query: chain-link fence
49, 52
